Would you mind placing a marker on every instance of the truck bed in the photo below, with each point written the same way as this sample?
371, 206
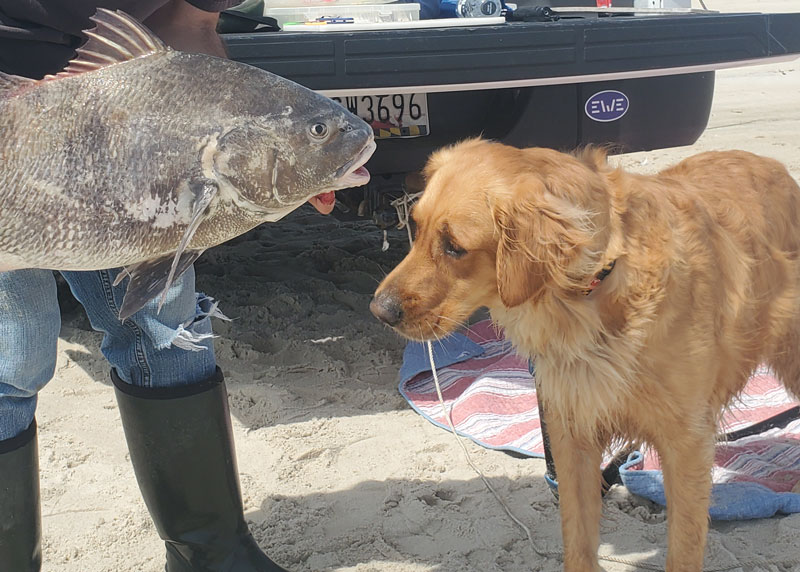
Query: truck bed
529, 83
519, 54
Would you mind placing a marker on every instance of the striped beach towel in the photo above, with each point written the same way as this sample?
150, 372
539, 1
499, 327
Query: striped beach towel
492, 399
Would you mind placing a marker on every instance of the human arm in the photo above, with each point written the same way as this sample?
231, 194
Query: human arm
185, 27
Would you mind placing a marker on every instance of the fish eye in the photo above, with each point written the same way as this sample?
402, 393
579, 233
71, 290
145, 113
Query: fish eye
319, 131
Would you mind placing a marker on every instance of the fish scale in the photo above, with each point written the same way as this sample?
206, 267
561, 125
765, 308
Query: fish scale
141, 156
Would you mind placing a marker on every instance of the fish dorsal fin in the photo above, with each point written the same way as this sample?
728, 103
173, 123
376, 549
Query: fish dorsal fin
10, 84
117, 38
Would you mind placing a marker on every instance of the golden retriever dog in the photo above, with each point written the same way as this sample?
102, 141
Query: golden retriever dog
646, 301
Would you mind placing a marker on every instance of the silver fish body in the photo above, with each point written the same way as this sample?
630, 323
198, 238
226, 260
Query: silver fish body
146, 161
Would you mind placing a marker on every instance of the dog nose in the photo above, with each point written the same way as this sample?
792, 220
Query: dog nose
387, 309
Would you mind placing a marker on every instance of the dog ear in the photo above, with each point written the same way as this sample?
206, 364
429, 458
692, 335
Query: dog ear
538, 243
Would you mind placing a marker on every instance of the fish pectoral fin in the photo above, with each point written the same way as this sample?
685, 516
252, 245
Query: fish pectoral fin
205, 190
150, 278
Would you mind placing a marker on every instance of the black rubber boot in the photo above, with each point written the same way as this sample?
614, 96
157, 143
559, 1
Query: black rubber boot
181, 447
20, 514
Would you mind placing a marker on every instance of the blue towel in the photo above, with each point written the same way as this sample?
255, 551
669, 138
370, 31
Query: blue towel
729, 501
452, 349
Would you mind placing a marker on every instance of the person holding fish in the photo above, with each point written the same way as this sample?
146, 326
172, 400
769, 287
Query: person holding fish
90, 181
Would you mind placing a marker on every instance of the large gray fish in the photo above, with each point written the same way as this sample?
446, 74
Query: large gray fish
141, 156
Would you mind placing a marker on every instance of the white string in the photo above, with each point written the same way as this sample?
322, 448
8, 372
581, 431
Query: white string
489, 486
402, 206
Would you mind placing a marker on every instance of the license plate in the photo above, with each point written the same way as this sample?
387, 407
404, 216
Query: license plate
394, 116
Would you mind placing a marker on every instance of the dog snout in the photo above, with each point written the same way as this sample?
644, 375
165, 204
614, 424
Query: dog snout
387, 308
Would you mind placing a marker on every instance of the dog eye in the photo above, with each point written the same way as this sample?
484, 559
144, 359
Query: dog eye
451, 249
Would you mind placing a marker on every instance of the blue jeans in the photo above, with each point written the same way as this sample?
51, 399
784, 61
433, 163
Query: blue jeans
166, 349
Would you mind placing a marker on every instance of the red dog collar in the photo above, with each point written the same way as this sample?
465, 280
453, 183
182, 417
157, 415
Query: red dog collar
599, 278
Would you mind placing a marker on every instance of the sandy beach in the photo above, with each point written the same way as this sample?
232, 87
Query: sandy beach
338, 473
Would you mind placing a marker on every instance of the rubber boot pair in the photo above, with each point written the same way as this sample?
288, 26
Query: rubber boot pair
181, 447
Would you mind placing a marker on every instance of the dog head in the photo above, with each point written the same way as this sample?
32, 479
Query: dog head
496, 226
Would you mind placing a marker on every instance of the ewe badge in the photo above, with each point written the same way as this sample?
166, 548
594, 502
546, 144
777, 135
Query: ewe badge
605, 106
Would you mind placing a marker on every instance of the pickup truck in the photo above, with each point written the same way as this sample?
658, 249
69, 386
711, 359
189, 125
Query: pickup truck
632, 81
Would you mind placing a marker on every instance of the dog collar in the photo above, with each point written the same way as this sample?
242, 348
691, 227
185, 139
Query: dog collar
599, 278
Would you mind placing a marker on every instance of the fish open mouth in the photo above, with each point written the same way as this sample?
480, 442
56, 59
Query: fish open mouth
352, 174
